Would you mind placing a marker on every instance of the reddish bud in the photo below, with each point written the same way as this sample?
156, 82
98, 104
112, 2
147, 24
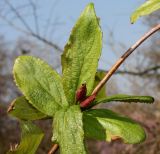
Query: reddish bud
81, 93
87, 101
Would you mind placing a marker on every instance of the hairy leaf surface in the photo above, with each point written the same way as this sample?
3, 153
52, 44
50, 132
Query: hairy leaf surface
40, 84
103, 124
124, 98
68, 130
81, 54
148, 7
30, 139
22, 109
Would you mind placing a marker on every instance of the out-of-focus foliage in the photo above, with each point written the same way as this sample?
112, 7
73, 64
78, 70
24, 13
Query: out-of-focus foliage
30, 139
148, 7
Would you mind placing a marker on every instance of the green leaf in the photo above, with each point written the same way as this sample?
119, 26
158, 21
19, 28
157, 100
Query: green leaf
22, 109
124, 98
30, 139
103, 124
40, 84
99, 76
81, 54
68, 130
148, 7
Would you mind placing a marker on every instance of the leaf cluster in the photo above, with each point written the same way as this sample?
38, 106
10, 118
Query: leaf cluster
47, 94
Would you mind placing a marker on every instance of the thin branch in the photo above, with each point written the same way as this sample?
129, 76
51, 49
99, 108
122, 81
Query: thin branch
123, 58
12, 24
49, 19
34, 8
147, 72
55, 46
27, 29
53, 149
18, 15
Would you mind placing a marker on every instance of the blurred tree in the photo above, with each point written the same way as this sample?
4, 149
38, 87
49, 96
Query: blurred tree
12, 12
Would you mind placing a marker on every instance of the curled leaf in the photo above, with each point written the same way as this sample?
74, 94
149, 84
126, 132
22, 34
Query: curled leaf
124, 98
103, 124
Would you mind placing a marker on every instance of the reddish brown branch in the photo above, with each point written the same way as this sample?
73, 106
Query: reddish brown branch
53, 149
123, 58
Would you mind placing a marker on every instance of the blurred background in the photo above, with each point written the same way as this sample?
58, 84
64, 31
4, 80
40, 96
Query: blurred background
41, 28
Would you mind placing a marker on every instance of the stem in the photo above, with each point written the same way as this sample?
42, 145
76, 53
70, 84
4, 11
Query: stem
123, 58
53, 149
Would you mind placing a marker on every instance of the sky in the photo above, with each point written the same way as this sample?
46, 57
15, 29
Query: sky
114, 16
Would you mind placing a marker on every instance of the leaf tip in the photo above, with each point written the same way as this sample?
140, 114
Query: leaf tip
90, 5
133, 18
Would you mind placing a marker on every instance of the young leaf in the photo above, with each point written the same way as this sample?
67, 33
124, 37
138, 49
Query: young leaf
124, 98
148, 7
103, 124
40, 84
99, 76
81, 54
68, 130
30, 139
22, 109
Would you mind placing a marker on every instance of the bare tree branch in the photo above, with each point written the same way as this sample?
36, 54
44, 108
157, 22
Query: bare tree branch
152, 71
19, 16
147, 72
27, 29
49, 18
35, 16
12, 24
